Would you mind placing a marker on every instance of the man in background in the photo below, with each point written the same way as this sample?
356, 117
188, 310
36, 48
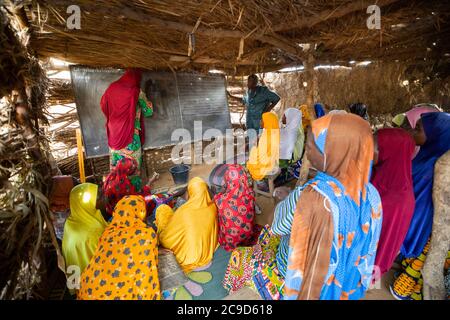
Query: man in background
257, 100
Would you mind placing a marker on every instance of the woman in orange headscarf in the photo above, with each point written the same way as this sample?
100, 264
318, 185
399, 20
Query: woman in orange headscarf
264, 158
337, 221
191, 231
125, 265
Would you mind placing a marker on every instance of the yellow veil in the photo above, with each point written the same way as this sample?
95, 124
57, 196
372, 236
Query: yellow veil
306, 116
191, 231
264, 157
84, 226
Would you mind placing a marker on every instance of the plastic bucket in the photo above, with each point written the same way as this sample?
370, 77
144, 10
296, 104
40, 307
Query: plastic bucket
180, 173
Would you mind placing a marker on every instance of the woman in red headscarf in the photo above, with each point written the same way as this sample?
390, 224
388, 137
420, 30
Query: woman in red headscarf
392, 177
125, 107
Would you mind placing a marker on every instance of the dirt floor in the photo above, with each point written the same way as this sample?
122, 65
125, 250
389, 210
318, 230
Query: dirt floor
166, 181
381, 290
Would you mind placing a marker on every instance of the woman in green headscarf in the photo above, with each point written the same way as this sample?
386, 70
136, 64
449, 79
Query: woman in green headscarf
84, 226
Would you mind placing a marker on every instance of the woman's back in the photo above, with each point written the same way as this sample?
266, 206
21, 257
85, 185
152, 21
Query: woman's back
84, 226
125, 264
337, 221
191, 231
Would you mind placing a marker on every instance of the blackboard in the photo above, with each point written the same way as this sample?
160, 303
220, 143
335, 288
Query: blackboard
178, 100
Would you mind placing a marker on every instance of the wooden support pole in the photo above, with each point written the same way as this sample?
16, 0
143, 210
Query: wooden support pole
80, 156
311, 89
311, 80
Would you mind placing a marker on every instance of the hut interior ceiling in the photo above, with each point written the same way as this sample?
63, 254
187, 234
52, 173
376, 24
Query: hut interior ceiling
237, 36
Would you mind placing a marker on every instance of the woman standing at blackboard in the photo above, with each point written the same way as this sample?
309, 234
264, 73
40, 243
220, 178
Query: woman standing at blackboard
125, 106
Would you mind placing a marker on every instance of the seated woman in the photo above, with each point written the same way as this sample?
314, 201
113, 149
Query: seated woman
432, 133
236, 209
392, 177
191, 231
125, 264
263, 266
291, 135
123, 181
292, 140
337, 221
263, 159
84, 226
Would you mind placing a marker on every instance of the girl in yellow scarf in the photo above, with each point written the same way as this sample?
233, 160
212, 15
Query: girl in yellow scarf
125, 265
84, 226
191, 231
264, 157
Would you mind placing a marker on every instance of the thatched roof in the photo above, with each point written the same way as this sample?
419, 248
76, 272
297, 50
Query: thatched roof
236, 35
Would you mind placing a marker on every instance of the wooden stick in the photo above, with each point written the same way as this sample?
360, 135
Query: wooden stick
80, 156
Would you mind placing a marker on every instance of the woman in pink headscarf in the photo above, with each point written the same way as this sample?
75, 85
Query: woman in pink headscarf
392, 177
413, 116
125, 107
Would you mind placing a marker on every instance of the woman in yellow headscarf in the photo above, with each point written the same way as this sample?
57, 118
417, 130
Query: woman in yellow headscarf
84, 226
264, 157
191, 231
125, 265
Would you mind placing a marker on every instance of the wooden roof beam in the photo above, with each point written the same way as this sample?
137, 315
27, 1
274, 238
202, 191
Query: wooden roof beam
339, 12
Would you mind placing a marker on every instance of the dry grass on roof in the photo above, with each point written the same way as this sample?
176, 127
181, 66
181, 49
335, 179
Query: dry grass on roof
155, 34
24, 220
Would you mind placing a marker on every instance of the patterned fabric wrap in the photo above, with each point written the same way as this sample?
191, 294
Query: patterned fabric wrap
268, 283
256, 267
236, 209
267, 280
134, 149
355, 208
354, 244
125, 264
154, 200
240, 268
118, 183
408, 283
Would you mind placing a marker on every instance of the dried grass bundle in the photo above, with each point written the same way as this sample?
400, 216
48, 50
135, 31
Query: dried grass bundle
23, 177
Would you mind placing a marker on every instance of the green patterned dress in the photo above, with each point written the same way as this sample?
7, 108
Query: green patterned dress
134, 149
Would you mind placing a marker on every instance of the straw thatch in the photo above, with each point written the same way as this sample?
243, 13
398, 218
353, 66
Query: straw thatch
24, 167
238, 36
